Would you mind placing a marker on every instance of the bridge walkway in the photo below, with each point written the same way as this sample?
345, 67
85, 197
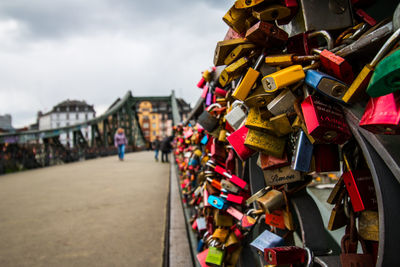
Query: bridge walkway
100, 212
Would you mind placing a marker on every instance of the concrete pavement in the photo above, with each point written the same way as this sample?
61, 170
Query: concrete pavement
100, 212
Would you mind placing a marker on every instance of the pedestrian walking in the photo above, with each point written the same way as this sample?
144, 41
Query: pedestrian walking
156, 147
165, 148
120, 142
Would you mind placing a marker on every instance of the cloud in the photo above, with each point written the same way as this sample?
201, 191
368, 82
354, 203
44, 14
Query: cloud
50, 52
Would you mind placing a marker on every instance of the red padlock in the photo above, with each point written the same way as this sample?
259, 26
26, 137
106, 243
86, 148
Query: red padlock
236, 139
361, 190
285, 255
337, 66
382, 114
325, 121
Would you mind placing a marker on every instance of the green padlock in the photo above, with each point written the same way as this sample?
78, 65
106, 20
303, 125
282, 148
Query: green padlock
215, 256
386, 77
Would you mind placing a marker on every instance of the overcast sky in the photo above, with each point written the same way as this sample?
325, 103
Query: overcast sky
97, 50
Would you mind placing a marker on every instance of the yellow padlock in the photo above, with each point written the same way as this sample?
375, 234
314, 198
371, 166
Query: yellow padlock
265, 143
283, 78
256, 122
236, 19
224, 48
281, 124
238, 52
243, 89
220, 234
357, 88
271, 12
247, 3
233, 71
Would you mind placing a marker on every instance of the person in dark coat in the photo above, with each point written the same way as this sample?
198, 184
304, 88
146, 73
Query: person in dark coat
165, 148
156, 147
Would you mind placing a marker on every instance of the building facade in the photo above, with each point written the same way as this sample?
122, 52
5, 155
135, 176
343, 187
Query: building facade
67, 113
155, 117
5, 123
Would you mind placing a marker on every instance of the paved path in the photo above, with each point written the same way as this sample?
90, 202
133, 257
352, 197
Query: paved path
98, 212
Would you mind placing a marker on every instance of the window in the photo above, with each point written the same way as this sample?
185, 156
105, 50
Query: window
154, 117
145, 125
57, 116
67, 124
76, 109
154, 132
153, 125
67, 108
67, 116
58, 125
86, 116
77, 116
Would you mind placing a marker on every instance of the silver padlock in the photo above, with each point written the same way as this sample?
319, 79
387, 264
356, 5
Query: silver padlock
236, 116
283, 103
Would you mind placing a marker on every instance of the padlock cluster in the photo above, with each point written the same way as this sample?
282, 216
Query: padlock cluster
279, 91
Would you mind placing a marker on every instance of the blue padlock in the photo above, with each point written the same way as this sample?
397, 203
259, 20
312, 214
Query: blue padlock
302, 156
204, 140
193, 162
217, 202
326, 85
267, 240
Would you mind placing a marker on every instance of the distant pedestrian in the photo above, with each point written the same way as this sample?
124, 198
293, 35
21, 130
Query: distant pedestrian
165, 148
120, 142
156, 147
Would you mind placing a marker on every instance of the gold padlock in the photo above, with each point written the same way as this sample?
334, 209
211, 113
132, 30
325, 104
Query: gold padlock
238, 52
255, 121
258, 98
247, 3
271, 12
283, 78
265, 143
281, 124
222, 220
232, 240
222, 135
272, 200
236, 19
225, 47
232, 71
368, 225
221, 234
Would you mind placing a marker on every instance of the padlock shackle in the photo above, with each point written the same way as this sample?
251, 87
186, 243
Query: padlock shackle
212, 106
393, 39
325, 35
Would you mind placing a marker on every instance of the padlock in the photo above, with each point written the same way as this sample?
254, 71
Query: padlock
236, 116
268, 162
201, 224
247, 222
220, 92
320, 15
338, 217
231, 177
293, 6
301, 44
281, 124
247, 3
234, 257
225, 184
222, 220
385, 79
257, 195
215, 256
271, 12
266, 35
303, 152
361, 81
244, 87
215, 183
232, 198
201, 258
275, 219
231, 241
217, 202
209, 98
220, 234
201, 83
368, 225
232, 71
238, 52
235, 213
282, 103
336, 65
255, 121
349, 256
285, 60
208, 121
236, 18
265, 143
265, 240
236, 140
325, 121
382, 114
361, 190
326, 85
272, 200
284, 77
223, 49
258, 98
281, 175
285, 255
